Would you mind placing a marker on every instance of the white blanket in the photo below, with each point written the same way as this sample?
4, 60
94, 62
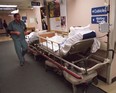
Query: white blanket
33, 36
79, 30
57, 42
66, 43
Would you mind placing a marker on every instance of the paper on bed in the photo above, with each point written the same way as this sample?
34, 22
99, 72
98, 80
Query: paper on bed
31, 37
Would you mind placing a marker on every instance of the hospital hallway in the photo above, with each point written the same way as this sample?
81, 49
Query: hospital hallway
74, 39
32, 77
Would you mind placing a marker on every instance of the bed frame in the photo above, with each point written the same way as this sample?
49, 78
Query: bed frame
73, 72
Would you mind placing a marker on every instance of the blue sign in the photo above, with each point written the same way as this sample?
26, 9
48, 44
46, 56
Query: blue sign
24, 18
99, 10
98, 19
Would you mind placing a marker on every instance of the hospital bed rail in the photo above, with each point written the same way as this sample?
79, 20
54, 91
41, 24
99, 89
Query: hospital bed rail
46, 52
47, 41
51, 52
56, 63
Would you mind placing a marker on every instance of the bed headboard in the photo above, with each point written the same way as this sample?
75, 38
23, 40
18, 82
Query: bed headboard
44, 35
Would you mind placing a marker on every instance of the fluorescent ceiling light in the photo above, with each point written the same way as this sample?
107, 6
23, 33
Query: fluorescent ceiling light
8, 5
15, 11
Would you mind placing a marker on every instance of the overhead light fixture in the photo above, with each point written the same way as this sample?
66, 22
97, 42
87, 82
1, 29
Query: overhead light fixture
8, 5
15, 11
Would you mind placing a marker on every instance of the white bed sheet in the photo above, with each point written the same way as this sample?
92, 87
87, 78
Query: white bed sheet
33, 36
66, 43
57, 42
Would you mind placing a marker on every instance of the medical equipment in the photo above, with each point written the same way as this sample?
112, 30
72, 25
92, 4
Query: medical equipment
104, 27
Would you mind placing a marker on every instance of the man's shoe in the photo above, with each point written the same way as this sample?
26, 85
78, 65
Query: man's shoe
21, 64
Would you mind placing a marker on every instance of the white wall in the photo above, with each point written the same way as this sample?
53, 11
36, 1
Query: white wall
38, 18
79, 14
33, 17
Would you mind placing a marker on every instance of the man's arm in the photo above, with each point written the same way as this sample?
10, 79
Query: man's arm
25, 29
27, 32
15, 32
11, 31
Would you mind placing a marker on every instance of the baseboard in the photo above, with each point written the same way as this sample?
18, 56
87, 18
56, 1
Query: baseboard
102, 78
113, 79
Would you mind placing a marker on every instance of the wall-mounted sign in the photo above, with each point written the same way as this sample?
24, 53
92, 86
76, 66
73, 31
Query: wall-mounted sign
99, 10
35, 3
24, 18
98, 19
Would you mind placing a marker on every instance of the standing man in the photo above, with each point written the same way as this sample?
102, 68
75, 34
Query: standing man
5, 27
17, 30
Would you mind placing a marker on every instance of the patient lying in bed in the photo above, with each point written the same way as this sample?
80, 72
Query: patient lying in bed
75, 36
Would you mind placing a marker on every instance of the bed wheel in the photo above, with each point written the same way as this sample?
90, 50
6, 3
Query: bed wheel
74, 88
95, 80
35, 58
46, 68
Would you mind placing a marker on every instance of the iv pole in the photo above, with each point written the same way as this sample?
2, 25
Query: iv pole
108, 10
109, 79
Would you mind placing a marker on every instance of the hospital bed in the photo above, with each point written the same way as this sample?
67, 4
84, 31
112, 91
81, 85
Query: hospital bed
32, 40
81, 69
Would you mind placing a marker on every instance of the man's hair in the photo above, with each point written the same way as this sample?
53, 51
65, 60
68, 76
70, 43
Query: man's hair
16, 14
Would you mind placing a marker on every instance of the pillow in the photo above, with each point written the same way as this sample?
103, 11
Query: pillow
83, 28
79, 30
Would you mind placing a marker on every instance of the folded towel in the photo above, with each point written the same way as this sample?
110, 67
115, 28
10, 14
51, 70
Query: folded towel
89, 35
